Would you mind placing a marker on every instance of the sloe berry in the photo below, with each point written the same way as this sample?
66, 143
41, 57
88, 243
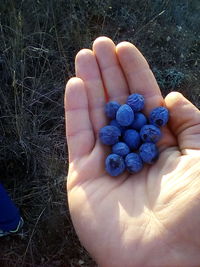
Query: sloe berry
114, 165
120, 149
148, 152
111, 109
136, 102
109, 135
150, 133
125, 115
159, 116
132, 138
133, 162
139, 121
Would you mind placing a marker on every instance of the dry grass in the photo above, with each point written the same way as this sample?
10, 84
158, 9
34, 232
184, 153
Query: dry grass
38, 42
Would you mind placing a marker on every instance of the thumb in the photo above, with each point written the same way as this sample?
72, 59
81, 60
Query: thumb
184, 121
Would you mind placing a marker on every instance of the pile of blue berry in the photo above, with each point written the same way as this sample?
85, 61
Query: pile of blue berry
132, 135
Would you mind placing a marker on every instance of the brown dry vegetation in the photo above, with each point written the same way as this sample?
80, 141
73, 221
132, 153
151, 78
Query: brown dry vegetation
38, 42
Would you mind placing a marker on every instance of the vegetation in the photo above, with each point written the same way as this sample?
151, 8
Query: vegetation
38, 43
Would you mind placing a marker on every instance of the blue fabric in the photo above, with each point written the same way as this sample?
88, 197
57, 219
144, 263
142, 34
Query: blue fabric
9, 213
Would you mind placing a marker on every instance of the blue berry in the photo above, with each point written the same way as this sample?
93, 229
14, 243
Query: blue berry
115, 123
109, 135
159, 116
132, 138
150, 133
148, 152
120, 149
136, 102
115, 165
111, 109
125, 115
133, 162
139, 121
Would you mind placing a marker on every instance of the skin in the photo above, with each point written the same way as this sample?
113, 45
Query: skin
147, 219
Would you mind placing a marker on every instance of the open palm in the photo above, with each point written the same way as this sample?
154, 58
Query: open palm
147, 219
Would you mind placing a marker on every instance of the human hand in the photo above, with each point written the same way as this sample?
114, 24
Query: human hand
147, 219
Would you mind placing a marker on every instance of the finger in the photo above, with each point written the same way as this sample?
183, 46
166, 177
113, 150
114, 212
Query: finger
113, 77
87, 69
138, 74
80, 136
184, 121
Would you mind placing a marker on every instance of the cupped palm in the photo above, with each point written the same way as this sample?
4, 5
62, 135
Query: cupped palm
147, 219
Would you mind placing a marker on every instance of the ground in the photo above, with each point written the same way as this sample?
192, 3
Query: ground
38, 42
